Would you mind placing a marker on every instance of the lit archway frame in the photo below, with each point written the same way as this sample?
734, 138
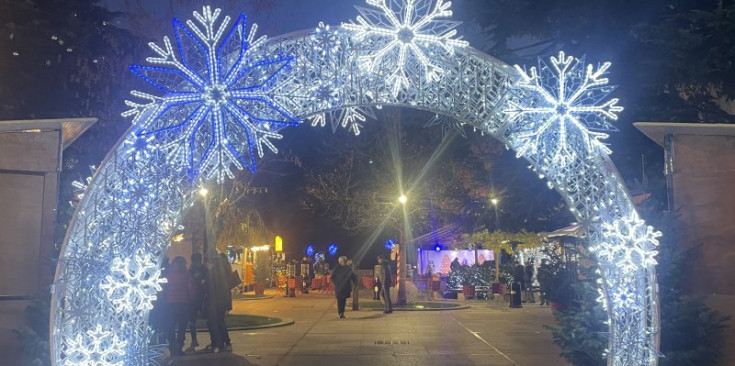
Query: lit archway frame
223, 95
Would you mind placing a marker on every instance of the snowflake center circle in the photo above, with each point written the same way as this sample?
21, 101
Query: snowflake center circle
215, 95
562, 109
324, 92
405, 35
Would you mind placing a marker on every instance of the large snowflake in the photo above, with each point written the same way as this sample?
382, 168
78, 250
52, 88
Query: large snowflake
133, 283
97, 347
406, 35
560, 110
628, 243
217, 105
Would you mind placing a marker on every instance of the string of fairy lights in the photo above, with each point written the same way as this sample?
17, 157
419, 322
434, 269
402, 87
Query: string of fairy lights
218, 97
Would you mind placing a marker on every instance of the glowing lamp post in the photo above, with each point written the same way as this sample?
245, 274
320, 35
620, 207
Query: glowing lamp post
496, 252
203, 192
401, 260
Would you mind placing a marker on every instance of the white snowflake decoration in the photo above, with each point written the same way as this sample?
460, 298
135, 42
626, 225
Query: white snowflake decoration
625, 298
408, 35
217, 101
133, 283
96, 347
559, 107
628, 243
326, 93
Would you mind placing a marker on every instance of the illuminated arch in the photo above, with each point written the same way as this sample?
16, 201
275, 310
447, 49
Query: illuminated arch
224, 95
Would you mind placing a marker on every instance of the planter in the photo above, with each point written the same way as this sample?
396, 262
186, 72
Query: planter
555, 306
468, 291
368, 282
259, 288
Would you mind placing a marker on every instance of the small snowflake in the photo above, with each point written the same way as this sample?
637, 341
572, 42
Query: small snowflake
406, 33
559, 106
448, 125
95, 348
133, 283
326, 93
628, 243
624, 297
217, 104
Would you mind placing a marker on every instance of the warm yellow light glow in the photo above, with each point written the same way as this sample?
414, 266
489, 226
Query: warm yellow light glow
261, 248
178, 237
279, 244
402, 199
494, 201
203, 192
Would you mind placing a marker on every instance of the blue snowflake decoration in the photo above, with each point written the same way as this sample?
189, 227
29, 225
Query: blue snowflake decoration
309, 250
560, 110
389, 244
217, 107
332, 249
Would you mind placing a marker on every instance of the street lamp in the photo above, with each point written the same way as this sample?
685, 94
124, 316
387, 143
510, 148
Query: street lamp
403, 199
203, 191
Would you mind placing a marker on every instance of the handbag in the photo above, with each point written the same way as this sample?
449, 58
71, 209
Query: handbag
234, 279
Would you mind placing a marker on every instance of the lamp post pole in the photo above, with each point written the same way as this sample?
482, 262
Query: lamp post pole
203, 192
401, 269
496, 252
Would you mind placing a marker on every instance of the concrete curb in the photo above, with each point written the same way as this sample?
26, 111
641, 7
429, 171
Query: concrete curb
282, 323
459, 307
253, 298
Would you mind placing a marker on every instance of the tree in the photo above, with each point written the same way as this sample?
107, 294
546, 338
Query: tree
357, 181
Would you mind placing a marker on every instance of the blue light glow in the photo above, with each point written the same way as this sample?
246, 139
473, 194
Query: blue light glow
309, 250
389, 244
332, 249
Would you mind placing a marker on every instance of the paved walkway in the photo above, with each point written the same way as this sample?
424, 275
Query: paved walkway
484, 334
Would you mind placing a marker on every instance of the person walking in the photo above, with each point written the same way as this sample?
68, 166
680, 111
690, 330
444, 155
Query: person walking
199, 275
218, 302
528, 279
544, 276
384, 279
343, 279
179, 292
517, 287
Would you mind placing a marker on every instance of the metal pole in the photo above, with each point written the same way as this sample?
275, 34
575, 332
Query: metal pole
356, 288
401, 271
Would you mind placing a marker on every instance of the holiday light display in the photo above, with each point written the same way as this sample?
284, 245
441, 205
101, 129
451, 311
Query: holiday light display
562, 104
133, 283
220, 96
215, 108
96, 348
404, 36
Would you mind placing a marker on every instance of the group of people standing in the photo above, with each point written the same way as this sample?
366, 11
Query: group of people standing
345, 279
522, 287
201, 291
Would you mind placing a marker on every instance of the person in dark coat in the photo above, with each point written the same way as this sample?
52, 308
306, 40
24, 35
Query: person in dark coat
179, 292
218, 302
519, 272
384, 278
528, 279
343, 279
199, 275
